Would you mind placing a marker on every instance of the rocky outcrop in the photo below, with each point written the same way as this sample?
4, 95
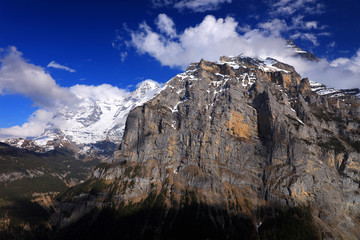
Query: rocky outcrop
233, 138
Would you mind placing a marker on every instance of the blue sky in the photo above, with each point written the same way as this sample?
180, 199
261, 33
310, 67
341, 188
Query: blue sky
48, 46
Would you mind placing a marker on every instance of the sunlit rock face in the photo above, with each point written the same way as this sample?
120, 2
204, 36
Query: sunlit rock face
231, 140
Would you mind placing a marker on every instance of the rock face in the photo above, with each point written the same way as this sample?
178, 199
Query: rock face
231, 140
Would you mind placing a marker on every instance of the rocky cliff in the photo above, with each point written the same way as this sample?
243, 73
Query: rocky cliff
241, 147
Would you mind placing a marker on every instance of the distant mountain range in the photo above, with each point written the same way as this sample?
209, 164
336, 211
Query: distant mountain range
91, 127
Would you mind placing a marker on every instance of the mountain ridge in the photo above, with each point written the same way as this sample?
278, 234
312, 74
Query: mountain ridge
85, 132
92, 122
230, 139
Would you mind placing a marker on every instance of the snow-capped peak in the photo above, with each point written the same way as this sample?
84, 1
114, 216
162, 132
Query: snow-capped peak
147, 85
147, 88
100, 115
321, 89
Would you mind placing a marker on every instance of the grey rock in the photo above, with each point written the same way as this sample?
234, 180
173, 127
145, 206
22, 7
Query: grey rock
245, 131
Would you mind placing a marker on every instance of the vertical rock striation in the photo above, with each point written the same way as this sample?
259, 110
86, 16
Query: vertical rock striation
233, 139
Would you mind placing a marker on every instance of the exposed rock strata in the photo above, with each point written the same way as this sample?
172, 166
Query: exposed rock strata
240, 134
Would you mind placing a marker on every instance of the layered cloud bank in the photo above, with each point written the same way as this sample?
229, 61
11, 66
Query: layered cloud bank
215, 37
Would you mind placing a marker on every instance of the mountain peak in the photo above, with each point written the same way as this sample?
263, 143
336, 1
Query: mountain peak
302, 53
91, 121
147, 89
148, 84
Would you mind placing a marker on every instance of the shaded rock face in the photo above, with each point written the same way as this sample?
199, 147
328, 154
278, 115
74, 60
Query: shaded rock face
240, 135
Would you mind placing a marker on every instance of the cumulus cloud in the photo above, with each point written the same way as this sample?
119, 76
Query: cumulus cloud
193, 5
341, 73
166, 25
351, 64
34, 126
17, 76
283, 16
213, 38
103, 92
209, 40
56, 65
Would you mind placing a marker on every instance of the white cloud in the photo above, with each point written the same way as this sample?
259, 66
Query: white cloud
19, 76
194, 5
274, 27
331, 45
166, 25
326, 34
311, 24
209, 40
123, 56
341, 73
162, 3
340, 62
352, 64
213, 38
32, 128
306, 36
56, 65
244, 28
299, 23
200, 5
103, 92
290, 7
291, 17
318, 8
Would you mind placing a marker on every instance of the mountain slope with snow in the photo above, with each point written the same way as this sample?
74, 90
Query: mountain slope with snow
95, 118
100, 114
